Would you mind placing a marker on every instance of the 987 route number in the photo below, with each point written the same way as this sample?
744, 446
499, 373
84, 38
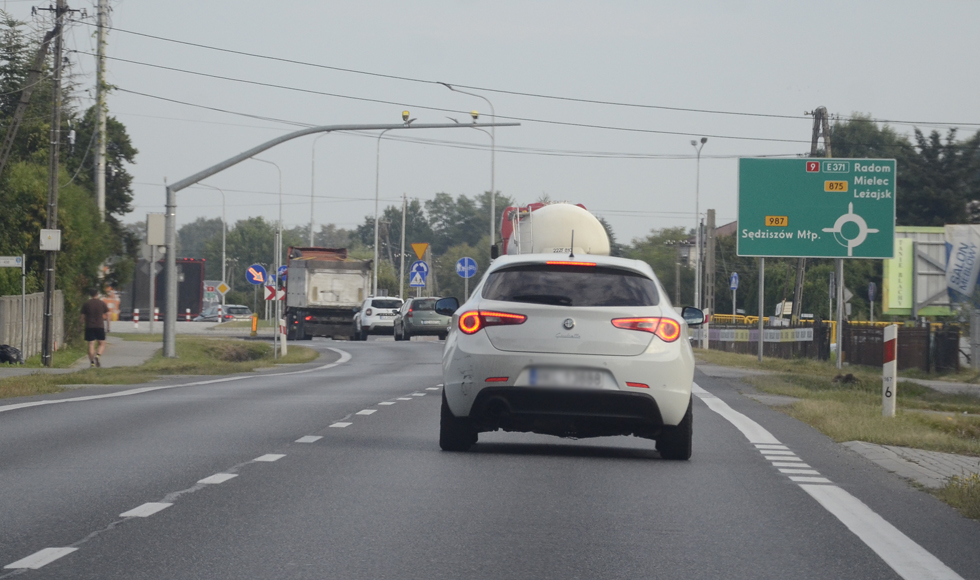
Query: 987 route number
777, 221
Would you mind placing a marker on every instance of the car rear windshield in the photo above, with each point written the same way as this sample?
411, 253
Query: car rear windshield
239, 310
386, 303
571, 286
424, 305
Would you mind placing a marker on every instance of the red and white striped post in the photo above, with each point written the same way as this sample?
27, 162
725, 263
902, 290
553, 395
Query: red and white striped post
221, 317
136, 318
889, 371
187, 315
156, 314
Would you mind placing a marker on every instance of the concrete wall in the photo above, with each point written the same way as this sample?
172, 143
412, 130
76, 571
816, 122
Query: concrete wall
10, 321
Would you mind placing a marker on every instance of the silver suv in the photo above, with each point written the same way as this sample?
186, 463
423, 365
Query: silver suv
376, 316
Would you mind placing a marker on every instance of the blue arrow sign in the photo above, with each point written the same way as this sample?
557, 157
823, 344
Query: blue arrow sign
733, 284
466, 267
871, 291
256, 274
282, 272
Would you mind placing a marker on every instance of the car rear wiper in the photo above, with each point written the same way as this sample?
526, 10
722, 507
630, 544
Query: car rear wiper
555, 299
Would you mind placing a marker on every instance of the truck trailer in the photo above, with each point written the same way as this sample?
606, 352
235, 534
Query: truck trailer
324, 289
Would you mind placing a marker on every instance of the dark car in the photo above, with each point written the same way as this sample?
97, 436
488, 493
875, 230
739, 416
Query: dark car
418, 317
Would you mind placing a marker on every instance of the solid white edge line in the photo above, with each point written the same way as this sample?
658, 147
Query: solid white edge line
309, 439
40, 558
269, 457
218, 478
910, 560
146, 510
754, 432
766, 446
344, 357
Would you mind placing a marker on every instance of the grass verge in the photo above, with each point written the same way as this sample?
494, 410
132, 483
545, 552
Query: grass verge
62, 358
195, 356
849, 411
963, 493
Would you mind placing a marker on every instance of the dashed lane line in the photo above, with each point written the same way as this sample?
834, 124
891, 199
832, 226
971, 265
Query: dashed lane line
386, 403
146, 510
344, 357
366, 412
404, 398
341, 424
269, 457
40, 558
218, 478
309, 439
907, 558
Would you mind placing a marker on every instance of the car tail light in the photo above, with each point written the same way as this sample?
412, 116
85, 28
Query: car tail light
496, 380
309, 318
666, 328
472, 321
568, 263
637, 385
367, 312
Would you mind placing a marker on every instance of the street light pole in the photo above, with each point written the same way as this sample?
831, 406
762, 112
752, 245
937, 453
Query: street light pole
377, 183
493, 160
313, 182
697, 223
278, 249
224, 231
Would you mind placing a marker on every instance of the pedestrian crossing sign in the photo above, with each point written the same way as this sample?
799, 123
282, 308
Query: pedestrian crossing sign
417, 280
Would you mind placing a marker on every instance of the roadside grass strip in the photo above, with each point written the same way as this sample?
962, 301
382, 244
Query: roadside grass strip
907, 558
40, 558
146, 510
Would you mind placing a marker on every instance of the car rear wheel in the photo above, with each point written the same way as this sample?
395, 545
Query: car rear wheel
455, 433
443, 335
677, 442
398, 336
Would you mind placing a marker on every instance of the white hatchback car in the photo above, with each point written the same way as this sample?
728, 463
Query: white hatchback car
572, 347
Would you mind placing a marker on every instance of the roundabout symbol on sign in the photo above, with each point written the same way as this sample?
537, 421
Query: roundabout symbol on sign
851, 217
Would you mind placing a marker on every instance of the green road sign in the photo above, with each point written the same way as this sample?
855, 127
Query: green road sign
816, 208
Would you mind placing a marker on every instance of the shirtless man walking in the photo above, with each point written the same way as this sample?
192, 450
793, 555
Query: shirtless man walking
95, 317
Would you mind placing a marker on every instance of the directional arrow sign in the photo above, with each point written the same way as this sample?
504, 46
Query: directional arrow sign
271, 291
466, 267
733, 284
255, 274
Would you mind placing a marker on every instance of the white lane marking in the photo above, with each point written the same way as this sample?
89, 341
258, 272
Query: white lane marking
778, 464
387, 403
218, 478
367, 412
309, 439
754, 432
404, 398
40, 558
776, 452
341, 424
441, 385
910, 560
432, 389
418, 394
781, 458
763, 446
269, 457
800, 471
344, 357
146, 510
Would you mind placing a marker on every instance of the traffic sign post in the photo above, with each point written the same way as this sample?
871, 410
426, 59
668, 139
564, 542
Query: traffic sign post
418, 273
256, 274
466, 268
733, 284
831, 208
281, 273
871, 299
19, 262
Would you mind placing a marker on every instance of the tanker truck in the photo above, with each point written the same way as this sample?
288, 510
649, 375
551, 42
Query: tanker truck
555, 228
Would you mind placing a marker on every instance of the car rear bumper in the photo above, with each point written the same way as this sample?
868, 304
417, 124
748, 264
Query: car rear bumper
566, 412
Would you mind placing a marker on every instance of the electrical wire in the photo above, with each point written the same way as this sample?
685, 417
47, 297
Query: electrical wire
522, 93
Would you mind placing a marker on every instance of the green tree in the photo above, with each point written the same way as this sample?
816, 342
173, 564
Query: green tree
660, 249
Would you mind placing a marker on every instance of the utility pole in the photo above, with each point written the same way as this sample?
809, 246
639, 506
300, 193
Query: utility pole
821, 125
50, 257
709, 264
401, 271
100, 108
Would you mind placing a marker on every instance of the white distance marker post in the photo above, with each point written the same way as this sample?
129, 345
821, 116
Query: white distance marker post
889, 370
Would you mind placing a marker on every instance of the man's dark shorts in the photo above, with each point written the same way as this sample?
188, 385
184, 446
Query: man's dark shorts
94, 334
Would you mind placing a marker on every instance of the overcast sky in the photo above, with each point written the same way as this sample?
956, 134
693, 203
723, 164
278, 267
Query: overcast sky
914, 63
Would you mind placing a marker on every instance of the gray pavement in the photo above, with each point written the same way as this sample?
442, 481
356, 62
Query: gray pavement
122, 353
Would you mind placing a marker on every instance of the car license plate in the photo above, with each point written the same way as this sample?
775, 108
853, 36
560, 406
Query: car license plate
387, 314
564, 377
430, 322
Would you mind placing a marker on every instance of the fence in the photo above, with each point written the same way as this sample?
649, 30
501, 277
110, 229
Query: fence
801, 341
925, 348
10, 321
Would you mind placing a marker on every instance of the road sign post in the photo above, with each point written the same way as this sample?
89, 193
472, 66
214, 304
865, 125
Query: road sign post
733, 284
871, 300
418, 273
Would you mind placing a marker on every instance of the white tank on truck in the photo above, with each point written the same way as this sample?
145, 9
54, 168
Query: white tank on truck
550, 228
324, 288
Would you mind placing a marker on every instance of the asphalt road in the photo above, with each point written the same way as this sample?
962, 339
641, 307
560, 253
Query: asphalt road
324, 480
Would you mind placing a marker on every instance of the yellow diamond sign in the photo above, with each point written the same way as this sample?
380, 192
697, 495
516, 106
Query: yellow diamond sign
222, 288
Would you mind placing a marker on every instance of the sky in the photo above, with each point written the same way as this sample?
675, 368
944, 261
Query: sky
660, 74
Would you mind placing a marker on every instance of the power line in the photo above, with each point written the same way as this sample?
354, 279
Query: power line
522, 93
